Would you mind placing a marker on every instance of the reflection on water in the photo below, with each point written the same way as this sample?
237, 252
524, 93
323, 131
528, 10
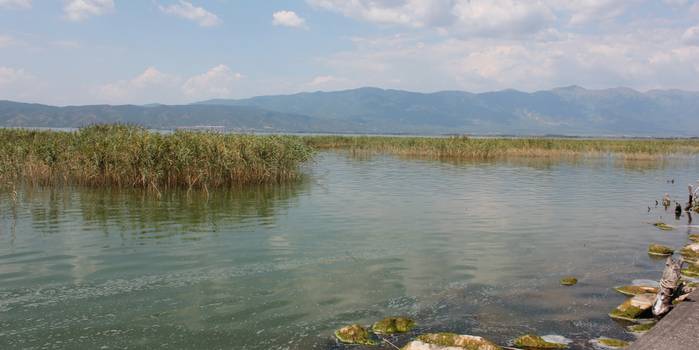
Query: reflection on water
469, 247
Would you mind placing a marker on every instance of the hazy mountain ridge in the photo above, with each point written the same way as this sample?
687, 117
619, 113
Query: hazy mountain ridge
568, 110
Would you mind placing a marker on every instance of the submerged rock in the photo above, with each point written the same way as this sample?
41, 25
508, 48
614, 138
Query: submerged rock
610, 343
636, 290
355, 334
663, 226
450, 341
536, 342
690, 252
569, 281
635, 308
391, 325
661, 250
694, 238
641, 328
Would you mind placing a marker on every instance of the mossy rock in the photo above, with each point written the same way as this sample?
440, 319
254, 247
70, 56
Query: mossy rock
612, 343
391, 325
569, 281
641, 328
451, 340
694, 238
635, 308
690, 252
691, 271
660, 250
536, 342
636, 290
663, 226
355, 334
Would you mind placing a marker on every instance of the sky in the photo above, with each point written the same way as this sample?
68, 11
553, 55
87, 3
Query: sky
71, 52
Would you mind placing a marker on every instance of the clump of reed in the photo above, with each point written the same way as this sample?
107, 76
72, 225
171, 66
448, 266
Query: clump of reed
131, 156
495, 148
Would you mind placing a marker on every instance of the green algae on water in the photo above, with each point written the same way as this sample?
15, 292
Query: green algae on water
391, 325
468, 342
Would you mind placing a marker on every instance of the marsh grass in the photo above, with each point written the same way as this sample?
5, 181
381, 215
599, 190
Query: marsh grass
498, 148
130, 156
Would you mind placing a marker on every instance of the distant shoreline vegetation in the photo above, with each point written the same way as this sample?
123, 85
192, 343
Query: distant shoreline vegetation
131, 156
480, 148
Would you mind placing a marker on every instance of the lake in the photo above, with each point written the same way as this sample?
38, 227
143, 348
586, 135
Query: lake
469, 247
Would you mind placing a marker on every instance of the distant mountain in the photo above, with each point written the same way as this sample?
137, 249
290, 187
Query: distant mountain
563, 111
570, 110
241, 118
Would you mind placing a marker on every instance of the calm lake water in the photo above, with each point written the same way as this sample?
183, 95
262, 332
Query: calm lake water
473, 248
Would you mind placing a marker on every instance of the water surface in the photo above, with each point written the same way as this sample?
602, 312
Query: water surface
474, 248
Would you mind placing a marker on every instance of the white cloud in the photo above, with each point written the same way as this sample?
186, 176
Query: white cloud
152, 85
6, 41
329, 82
587, 11
18, 84
15, 4
149, 86
219, 81
78, 10
643, 59
288, 19
458, 17
691, 36
186, 10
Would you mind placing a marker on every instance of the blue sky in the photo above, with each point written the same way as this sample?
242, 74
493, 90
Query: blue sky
174, 51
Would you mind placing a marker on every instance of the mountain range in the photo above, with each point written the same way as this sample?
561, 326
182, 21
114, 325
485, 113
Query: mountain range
563, 111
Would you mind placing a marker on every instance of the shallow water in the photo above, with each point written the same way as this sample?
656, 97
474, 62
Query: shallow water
474, 248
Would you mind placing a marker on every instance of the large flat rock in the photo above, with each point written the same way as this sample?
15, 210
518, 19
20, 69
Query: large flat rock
679, 330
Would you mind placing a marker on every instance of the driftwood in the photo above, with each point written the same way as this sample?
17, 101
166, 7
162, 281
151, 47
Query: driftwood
669, 287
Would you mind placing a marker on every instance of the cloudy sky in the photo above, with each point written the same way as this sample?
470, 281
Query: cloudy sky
176, 51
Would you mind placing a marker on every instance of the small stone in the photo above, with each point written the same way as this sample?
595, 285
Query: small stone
536, 342
391, 325
355, 334
450, 341
661, 250
569, 281
636, 290
691, 252
610, 343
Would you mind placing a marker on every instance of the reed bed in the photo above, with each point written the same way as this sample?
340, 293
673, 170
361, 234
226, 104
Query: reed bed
497, 148
130, 156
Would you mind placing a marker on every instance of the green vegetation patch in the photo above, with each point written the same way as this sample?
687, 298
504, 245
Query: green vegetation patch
536, 342
569, 281
131, 156
660, 250
355, 334
391, 325
494, 148
468, 342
